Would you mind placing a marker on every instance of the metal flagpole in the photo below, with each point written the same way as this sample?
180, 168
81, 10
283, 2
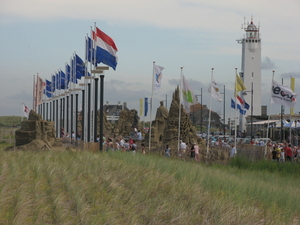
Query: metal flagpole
268, 116
179, 108
208, 132
235, 118
151, 108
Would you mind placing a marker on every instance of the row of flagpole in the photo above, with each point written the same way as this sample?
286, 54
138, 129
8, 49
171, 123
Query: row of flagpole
64, 88
187, 95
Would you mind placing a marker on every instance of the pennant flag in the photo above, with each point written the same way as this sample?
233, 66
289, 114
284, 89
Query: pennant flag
243, 103
239, 85
215, 91
141, 107
40, 85
283, 95
188, 97
25, 111
145, 106
106, 50
157, 76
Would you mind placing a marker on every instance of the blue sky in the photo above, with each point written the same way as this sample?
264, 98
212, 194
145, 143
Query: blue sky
41, 36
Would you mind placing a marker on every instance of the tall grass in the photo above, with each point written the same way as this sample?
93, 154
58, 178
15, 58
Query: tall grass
121, 188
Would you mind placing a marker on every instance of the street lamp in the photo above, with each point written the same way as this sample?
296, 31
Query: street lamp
245, 93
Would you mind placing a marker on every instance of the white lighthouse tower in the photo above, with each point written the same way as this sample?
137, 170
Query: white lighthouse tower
251, 72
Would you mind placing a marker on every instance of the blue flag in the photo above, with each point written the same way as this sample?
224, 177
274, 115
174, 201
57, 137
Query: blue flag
79, 67
146, 107
62, 80
53, 83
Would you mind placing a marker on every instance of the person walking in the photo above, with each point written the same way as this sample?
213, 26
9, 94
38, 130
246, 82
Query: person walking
167, 151
192, 152
197, 156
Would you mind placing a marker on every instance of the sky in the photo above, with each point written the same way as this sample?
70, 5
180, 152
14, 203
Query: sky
40, 36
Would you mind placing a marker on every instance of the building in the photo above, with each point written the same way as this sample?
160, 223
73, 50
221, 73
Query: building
200, 116
251, 71
113, 111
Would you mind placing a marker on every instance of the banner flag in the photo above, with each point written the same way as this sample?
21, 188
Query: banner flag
215, 91
293, 89
188, 97
40, 85
283, 95
141, 107
157, 76
145, 106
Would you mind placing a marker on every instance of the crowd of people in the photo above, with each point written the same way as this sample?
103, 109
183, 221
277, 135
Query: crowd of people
285, 152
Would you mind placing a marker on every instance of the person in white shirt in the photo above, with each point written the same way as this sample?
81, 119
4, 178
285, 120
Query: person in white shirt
233, 151
182, 147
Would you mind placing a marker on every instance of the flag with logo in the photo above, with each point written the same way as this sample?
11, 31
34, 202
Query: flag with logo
215, 91
283, 95
239, 85
187, 95
157, 77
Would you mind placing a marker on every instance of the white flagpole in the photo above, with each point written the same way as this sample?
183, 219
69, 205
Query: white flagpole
269, 115
151, 107
208, 132
235, 118
179, 108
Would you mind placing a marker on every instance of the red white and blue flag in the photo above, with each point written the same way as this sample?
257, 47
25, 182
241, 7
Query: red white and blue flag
243, 103
106, 49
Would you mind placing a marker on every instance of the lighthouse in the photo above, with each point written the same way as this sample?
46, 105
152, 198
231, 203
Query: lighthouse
250, 73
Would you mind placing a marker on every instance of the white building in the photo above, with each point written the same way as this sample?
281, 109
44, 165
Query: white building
251, 71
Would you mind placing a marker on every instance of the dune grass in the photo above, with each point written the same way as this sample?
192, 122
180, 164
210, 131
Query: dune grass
121, 188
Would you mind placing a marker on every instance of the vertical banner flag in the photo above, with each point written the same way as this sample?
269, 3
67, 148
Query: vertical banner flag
239, 85
40, 84
141, 107
215, 91
145, 106
188, 96
106, 49
283, 95
293, 89
157, 76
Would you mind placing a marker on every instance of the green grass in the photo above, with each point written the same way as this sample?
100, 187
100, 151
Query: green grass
121, 188
9, 121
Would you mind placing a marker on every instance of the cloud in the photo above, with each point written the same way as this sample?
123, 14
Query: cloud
291, 74
12, 104
267, 64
